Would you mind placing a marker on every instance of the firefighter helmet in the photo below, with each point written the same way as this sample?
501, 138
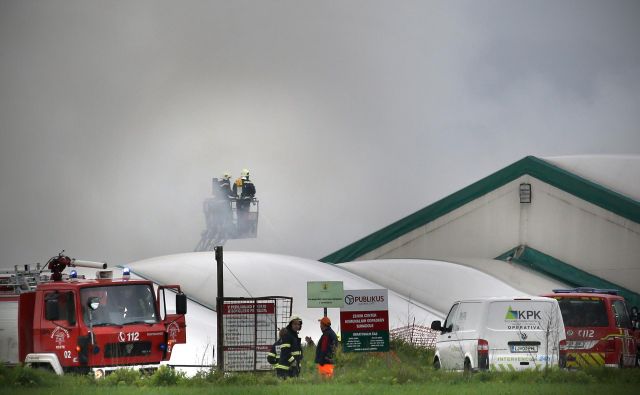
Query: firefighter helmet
245, 173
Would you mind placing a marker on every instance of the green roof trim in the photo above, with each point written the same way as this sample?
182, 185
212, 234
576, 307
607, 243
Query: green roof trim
543, 171
561, 271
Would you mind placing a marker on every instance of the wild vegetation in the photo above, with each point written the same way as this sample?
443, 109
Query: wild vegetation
404, 370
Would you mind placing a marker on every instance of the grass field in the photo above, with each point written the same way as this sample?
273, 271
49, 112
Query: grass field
404, 370
344, 389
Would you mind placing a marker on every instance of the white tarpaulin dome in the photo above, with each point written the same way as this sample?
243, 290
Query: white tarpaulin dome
419, 291
438, 284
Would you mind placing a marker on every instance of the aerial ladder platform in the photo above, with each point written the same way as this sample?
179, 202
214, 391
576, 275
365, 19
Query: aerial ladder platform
224, 221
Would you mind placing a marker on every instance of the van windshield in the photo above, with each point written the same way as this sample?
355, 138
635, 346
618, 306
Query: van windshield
583, 312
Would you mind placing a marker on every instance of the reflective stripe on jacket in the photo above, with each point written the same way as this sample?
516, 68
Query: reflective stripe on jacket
290, 351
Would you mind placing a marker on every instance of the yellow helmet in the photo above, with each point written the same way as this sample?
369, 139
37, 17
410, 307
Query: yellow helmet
245, 173
226, 175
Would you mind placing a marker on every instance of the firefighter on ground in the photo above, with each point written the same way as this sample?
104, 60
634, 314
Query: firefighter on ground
274, 354
325, 351
290, 350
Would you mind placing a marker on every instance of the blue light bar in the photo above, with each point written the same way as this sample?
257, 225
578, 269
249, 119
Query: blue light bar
73, 274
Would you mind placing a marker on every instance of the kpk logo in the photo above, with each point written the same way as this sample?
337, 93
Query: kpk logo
522, 314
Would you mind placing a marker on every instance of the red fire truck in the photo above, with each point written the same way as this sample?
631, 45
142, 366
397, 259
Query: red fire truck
71, 324
598, 327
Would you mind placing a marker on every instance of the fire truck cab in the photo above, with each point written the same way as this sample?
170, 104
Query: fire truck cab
598, 328
80, 325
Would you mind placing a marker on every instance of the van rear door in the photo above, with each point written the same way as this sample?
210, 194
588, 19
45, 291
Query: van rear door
524, 333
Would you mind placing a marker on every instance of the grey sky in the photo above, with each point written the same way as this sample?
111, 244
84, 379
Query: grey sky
114, 115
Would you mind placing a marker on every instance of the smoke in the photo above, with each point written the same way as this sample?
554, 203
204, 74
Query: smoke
115, 115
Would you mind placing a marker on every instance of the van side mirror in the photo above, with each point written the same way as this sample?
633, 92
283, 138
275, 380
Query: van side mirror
436, 326
51, 309
181, 303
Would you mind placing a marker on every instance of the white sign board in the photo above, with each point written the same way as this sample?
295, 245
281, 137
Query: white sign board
325, 294
249, 331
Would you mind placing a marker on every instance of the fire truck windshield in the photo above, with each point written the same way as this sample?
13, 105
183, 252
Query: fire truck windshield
119, 305
583, 312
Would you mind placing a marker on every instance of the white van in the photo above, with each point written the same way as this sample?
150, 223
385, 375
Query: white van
501, 334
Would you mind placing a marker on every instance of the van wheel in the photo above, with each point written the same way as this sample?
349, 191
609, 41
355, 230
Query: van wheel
467, 367
436, 364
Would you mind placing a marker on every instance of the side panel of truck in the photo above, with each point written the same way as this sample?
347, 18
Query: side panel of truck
468, 326
8, 331
25, 327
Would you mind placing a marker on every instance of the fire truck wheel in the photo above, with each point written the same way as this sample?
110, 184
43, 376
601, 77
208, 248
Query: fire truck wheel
43, 366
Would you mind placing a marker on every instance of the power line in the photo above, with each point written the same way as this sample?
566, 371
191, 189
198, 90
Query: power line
237, 279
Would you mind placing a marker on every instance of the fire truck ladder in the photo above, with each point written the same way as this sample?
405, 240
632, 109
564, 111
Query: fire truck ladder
20, 280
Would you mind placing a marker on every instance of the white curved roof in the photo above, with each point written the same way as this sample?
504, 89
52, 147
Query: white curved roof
620, 173
249, 274
517, 276
438, 284
418, 289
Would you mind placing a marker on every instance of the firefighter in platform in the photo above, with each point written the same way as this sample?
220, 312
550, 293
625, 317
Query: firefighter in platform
290, 350
245, 191
225, 187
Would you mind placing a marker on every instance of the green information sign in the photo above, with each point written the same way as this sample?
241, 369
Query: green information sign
325, 294
364, 320
365, 341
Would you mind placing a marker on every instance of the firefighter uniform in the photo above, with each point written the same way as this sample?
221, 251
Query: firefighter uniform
290, 355
274, 353
225, 187
245, 191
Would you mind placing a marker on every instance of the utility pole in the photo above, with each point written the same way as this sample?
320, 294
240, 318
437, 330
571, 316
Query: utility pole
219, 306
